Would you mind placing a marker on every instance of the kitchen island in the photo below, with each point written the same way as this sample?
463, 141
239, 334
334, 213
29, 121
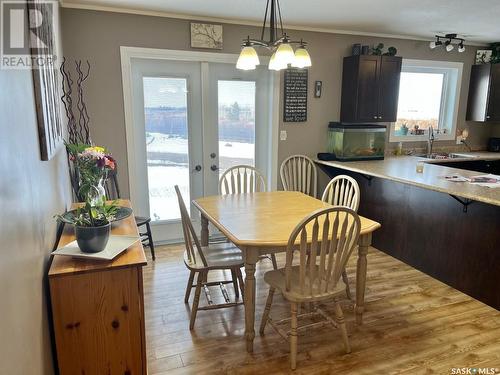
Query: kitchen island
449, 230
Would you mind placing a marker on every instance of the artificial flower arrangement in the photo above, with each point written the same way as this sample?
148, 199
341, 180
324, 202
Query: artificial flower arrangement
92, 163
92, 221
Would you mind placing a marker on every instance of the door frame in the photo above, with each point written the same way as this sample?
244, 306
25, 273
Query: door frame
129, 53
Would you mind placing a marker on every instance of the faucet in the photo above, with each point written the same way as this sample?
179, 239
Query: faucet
430, 141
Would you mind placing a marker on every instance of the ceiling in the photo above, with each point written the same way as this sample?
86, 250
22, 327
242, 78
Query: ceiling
476, 20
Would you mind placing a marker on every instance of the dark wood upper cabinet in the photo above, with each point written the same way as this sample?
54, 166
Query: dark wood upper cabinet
370, 88
484, 93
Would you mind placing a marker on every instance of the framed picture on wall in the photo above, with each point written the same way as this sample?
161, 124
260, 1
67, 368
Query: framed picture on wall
206, 35
46, 80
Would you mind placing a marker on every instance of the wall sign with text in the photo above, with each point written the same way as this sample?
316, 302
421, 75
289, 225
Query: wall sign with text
295, 95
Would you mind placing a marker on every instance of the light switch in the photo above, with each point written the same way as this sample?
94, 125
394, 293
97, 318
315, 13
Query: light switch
283, 135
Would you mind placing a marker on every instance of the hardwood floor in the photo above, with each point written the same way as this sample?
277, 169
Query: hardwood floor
413, 324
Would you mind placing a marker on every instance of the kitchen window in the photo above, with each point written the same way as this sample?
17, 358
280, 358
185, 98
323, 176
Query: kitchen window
429, 92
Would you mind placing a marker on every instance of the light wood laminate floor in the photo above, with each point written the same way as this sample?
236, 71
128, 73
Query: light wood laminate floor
413, 324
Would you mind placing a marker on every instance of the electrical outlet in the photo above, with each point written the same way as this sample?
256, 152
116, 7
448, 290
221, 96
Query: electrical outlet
459, 139
283, 135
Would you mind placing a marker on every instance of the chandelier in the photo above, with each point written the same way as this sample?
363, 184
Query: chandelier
279, 42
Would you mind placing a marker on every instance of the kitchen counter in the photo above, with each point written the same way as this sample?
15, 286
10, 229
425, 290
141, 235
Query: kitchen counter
424, 226
403, 169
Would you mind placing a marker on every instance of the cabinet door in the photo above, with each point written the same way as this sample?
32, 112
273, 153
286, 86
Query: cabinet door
390, 73
99, 322
493, 111
367, 98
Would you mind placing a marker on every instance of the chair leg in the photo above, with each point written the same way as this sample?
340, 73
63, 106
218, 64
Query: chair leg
339, 316
293, 336
265, 316
150, 240
240, 281
346, 282
235, 283
189, 286
196, 300
275, 263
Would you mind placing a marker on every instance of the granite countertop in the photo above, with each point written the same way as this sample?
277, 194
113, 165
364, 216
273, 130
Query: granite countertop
403, 169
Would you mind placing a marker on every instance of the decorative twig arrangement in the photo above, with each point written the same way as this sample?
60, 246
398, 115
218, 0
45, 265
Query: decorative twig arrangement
78, 131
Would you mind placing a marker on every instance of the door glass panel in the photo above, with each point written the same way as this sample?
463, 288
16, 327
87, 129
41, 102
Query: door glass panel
166, 120
236, 123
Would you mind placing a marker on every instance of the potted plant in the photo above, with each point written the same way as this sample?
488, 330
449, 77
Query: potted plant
92, 225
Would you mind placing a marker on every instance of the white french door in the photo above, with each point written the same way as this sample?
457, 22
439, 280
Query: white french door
191, 120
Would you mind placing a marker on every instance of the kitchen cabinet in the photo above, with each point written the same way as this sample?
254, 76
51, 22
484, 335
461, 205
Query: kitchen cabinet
483, 104
370, 88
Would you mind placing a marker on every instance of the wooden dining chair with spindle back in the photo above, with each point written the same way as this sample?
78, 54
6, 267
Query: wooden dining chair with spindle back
343, 190
242, 179
298, 173
324, 240
201, 259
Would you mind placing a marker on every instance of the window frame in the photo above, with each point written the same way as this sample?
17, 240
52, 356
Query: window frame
450, 97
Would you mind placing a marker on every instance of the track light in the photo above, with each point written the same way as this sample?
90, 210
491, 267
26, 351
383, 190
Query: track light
448, 44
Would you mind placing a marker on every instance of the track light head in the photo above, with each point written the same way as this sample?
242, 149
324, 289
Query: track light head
449, 46
461, 47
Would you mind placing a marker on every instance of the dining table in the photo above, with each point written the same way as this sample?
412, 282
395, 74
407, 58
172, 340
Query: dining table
260, 224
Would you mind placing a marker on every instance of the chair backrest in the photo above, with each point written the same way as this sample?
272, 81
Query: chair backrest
298, 173
325, 239
193, 245
111, 185
241, 179
342, 190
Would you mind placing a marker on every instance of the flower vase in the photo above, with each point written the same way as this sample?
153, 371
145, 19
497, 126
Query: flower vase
97, 195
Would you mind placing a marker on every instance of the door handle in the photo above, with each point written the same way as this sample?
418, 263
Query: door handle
197, 168
214, 168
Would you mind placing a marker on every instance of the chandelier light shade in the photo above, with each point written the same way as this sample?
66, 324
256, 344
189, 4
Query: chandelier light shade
302, 58
450, 38
279, 43
248, 59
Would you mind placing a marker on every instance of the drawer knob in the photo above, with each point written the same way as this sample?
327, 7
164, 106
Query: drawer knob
115, 324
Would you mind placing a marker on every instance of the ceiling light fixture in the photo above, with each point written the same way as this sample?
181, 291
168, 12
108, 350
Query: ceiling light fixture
283, 53
448, 44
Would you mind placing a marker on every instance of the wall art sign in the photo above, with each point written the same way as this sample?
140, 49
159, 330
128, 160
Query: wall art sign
295, 95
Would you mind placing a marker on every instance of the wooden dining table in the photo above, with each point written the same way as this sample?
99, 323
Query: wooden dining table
260, 224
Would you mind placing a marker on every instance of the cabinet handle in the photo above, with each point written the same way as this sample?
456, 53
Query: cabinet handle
488, 116
375, 117
380, 117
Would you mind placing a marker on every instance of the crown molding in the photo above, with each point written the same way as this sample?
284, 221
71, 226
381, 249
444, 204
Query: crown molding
154, 13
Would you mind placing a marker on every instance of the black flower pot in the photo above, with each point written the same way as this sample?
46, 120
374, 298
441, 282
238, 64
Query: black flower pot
92, 239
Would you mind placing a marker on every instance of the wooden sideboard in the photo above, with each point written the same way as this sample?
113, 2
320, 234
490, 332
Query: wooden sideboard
98, 310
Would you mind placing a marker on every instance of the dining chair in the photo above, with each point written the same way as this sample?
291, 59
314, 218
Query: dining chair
298, 173
343, 190
143, 222
201, 259
324, 240
242, 179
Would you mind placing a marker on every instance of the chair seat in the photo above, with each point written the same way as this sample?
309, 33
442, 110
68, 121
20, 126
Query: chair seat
277, 279
141, 220
218, 256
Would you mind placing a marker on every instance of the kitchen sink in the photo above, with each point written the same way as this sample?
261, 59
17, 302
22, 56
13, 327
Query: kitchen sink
444, 156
